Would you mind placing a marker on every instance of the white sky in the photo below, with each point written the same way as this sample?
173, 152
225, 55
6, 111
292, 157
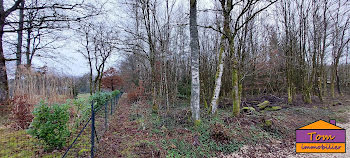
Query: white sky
73, 63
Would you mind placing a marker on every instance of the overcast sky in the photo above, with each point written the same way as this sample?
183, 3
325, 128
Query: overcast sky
71, 62
68, 59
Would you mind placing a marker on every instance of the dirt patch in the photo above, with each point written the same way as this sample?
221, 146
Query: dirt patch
284, 123
125, 137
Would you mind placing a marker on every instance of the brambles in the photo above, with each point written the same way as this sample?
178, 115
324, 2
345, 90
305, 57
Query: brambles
50, 124
21, 115
136, 94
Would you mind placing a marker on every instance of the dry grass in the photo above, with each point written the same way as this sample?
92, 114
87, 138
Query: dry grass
42, 85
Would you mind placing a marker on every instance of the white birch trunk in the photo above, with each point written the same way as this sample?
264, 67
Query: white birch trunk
217, 87
195, 86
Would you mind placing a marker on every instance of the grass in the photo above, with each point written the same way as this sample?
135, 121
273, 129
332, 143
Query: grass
173, 134
15, 144
18, 144
84, 95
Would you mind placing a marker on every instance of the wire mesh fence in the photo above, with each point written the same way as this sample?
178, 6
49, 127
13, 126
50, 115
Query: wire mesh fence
88, 136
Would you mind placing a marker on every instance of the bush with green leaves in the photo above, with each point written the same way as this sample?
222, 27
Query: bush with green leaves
82, 110
101, 98
115, 93
50, 124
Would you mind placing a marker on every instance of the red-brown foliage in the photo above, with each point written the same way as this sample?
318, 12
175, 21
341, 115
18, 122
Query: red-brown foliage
136, 93
111, 80
21, 115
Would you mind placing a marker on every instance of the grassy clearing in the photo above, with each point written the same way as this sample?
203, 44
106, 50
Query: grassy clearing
18, 144
84, 95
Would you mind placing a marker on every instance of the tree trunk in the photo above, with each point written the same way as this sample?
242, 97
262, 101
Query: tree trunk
235, 89
338, 81
218, 76
19, 39
3, 74
29, 60
333, 80
195, 87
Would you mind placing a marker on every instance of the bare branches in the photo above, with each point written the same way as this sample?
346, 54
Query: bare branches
237, 26
10, 10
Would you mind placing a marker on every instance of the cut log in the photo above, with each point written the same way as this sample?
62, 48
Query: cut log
337, 103
263, 105
248, 110
273, 108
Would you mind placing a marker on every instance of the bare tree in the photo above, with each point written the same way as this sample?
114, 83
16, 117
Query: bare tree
99, 43
4, 13
340, 39
195, 87
57, 15
229, 34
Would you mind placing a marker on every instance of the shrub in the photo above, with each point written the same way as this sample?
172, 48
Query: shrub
50, 124
100, 99
136, 94
184, 90
77, 106
115, 93
133, 97
21, 115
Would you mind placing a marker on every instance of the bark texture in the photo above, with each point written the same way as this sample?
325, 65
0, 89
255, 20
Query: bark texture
195, 87
218, 76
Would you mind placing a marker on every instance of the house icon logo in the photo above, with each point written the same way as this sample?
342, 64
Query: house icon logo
320, 137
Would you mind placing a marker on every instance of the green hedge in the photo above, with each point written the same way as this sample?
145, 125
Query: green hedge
51, 123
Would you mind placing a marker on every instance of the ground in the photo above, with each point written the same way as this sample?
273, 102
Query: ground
277, 149
274, 150
137, 131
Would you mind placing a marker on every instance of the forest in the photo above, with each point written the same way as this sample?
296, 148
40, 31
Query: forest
171, 78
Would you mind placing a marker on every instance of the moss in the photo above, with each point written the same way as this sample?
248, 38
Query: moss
263, 105
240, 87
16, 144
155, 108
205, 104
290, 100
197, 123
307, 94
268, 123
82, 151
235, 89
248, 109
319, 86
273, 108
333, 88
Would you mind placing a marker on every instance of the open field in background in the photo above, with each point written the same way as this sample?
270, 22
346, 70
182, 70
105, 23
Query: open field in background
84, 95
